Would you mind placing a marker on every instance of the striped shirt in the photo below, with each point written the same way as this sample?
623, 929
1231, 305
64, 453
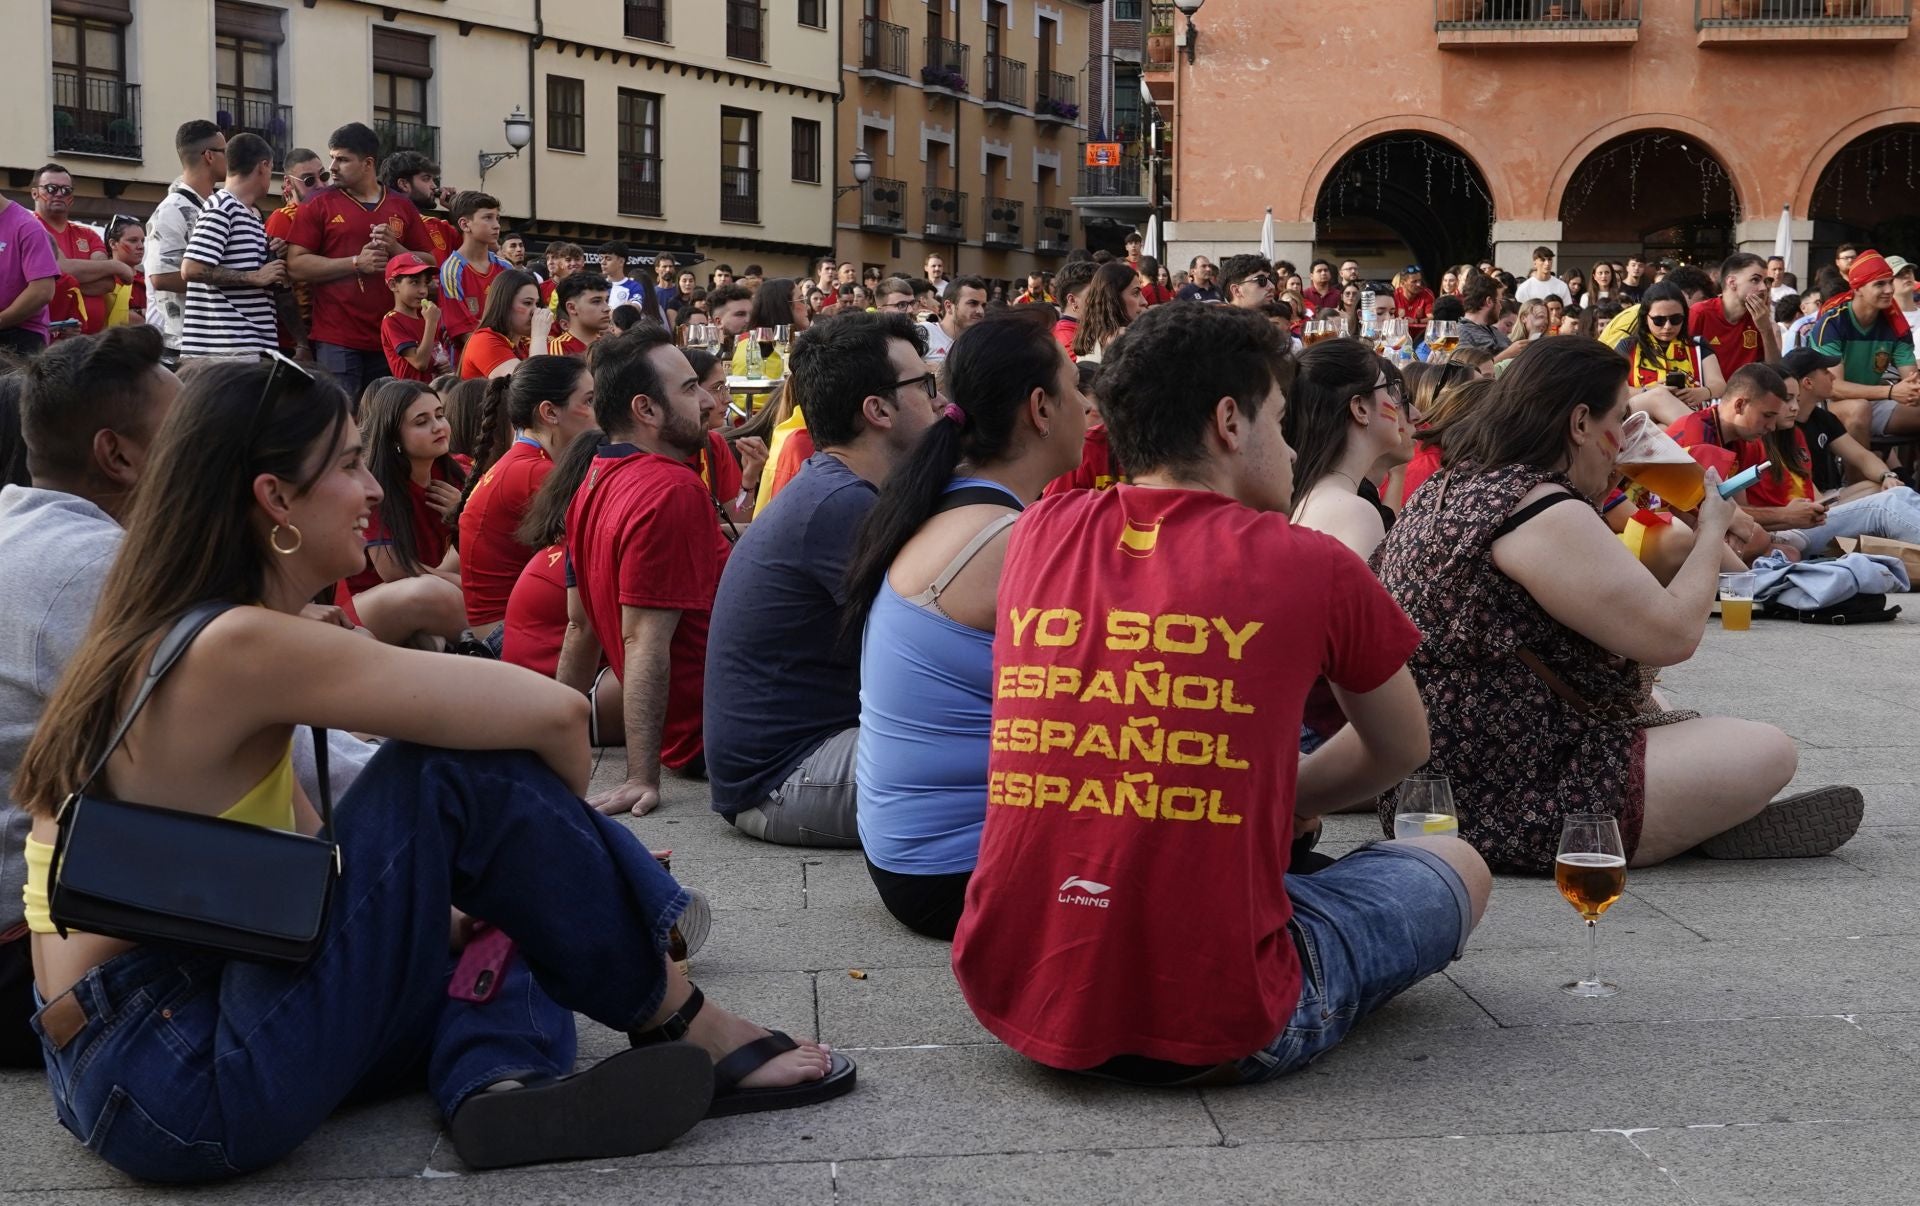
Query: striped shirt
228, 320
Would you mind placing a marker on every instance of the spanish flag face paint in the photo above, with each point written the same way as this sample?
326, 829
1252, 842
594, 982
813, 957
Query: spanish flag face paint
1139, 540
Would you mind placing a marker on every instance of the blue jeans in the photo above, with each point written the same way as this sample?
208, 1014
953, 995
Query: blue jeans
1368, 928
1893, 514
193, 1068
351, 367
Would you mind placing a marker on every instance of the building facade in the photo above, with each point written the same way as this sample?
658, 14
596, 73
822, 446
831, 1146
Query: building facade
1595, 127
695, 125
971, 112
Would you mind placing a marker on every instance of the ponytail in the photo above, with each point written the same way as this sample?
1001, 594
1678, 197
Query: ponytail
906, 502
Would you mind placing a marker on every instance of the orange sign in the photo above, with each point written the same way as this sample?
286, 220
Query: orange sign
1103, 154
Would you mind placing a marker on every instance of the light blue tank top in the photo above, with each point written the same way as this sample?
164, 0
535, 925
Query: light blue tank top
926, 708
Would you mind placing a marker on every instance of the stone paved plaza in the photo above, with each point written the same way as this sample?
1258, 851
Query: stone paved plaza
1764, 1048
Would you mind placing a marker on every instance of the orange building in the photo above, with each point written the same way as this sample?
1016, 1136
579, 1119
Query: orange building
1436, 130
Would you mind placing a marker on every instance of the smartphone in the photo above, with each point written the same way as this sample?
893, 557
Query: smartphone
1829, 498
1677, 381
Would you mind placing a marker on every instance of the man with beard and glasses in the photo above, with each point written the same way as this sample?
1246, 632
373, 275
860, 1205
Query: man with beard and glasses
417, 178
644, 554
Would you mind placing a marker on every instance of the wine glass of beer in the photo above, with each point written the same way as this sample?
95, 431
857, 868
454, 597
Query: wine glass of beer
1424, 808
1591, 872
1443, 336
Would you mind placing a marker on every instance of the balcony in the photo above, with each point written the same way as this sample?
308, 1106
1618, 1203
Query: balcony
883, 50
1733, 22
1003, 222
1058, 101
883, 206
946, 69
946, 215
407, 136
1055, 231
1006, 83
1478, 24
647, 20
746, 28
1123, 180
639, 184
270, 121
739, 194
96, 116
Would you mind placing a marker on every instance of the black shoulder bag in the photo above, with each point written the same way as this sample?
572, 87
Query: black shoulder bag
161, 875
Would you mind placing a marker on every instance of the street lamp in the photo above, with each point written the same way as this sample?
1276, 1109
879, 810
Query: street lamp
1190, 7
519, 134
862, 167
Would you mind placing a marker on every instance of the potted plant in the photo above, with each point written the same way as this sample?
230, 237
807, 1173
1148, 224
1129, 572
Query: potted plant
1454, 12
1160, 43
935, 75
1055, 107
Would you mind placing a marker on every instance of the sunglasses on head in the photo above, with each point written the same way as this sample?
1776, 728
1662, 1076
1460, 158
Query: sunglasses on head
283, 371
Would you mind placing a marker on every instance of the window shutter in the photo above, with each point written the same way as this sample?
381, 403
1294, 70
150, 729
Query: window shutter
119, 12
250, 21
397, 52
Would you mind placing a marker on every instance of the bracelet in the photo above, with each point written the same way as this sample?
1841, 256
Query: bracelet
1889, 393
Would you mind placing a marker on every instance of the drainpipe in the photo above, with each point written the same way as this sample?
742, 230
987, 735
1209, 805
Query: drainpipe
833, 215
533, 160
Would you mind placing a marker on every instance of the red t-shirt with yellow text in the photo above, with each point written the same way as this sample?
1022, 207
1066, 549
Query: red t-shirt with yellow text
347, 311
1095, 470
77, 242
1152, 657
536, 620
1735, 344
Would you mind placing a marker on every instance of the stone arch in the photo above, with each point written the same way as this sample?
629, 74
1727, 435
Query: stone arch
1406, 123
1830, 150
1746, 190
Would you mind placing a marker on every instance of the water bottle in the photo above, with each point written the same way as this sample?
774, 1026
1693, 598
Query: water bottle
1368, 330
756, 367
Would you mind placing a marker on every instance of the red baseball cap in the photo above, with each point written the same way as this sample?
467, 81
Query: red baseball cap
406, 264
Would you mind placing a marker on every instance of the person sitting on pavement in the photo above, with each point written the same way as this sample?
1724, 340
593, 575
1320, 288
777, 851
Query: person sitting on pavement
1838, 459
920, 590
1121, 807
411, 535
1726, 437
729, 466
1537, 624
511, 323
1344, 419
548, 404
1878, 393
644, 553
254, 497
1669, 374
782, 697
89, 411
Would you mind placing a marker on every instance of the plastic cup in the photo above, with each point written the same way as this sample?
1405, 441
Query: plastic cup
1736, 602
1655, 462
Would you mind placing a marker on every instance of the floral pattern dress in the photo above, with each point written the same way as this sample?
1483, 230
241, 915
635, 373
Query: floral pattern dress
1530, 720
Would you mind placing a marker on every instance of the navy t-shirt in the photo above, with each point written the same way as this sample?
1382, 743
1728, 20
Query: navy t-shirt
780, 680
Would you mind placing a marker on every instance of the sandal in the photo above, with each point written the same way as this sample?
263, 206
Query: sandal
728, 1096
633, 1102
1808, 825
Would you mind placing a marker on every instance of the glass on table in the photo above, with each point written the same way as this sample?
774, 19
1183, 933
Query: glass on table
1591, 872
1424, 808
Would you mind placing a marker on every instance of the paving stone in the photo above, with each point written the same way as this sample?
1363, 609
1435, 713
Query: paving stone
896, 1007
1858, 1163
778, 1000
1900, 1031
816, 940
1557, 1078
1753, 910
839, 879
1705, 980
1698, 869
1886, 851
1403, 1172
775, 881
1528, 914
35, 1150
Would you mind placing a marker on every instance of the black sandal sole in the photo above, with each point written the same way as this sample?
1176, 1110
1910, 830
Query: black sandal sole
1807, 825
637, 1101
838, 1082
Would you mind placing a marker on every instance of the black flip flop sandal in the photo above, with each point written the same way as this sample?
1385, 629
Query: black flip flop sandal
636, 1101
728, 1096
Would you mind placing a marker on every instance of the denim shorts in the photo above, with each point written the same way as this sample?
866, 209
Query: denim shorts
1368, 928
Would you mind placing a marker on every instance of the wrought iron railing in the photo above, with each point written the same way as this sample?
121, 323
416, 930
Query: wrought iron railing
946, 215
407, 136
639, 184
1802, 13
739, 194
96, 115
1004, 220
1056, 98
883, 46
746, 30
647, 19
1053, 230
946, 64
1531, 14
244, 115
883, 205
1125, 177
1006, 81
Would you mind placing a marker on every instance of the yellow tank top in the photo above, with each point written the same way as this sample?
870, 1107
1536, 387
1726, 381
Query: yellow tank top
269, 805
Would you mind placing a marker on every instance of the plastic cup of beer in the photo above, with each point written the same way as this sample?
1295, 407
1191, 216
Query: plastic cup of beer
1736, 602
1655, 462
1591, 872
1424, 808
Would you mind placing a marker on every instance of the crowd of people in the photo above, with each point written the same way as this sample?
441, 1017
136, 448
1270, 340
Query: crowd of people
1010, 593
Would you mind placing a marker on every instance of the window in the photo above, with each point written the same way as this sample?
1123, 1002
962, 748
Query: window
94, 110
806, 150
246, 57
566, 114
647, 19
739, 166
1126, 102
746, 29
813, 13
639, 180
402, 68
1126, 10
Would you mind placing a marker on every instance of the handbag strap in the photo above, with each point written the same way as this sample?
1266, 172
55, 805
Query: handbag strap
165, 654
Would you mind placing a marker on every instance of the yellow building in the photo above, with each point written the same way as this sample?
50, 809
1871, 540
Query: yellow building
695, 125
970, 111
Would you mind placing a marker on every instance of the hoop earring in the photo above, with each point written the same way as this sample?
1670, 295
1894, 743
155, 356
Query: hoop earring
273, 538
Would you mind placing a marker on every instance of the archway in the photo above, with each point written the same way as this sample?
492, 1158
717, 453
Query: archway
1661, 192
1864, 194
1404, 197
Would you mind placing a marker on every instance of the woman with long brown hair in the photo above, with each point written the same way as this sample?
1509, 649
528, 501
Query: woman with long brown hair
1113, 300
179, 1064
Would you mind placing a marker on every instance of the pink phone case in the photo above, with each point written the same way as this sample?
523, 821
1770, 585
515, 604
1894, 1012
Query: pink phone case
482, 966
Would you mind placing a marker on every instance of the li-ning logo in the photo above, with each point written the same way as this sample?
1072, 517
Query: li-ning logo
1089, 893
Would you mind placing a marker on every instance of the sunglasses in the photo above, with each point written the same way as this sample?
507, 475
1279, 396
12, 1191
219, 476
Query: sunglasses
56, 190
1665, 320
313, 179
283, 371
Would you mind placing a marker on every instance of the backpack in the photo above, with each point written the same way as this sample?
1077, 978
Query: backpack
1859, 609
